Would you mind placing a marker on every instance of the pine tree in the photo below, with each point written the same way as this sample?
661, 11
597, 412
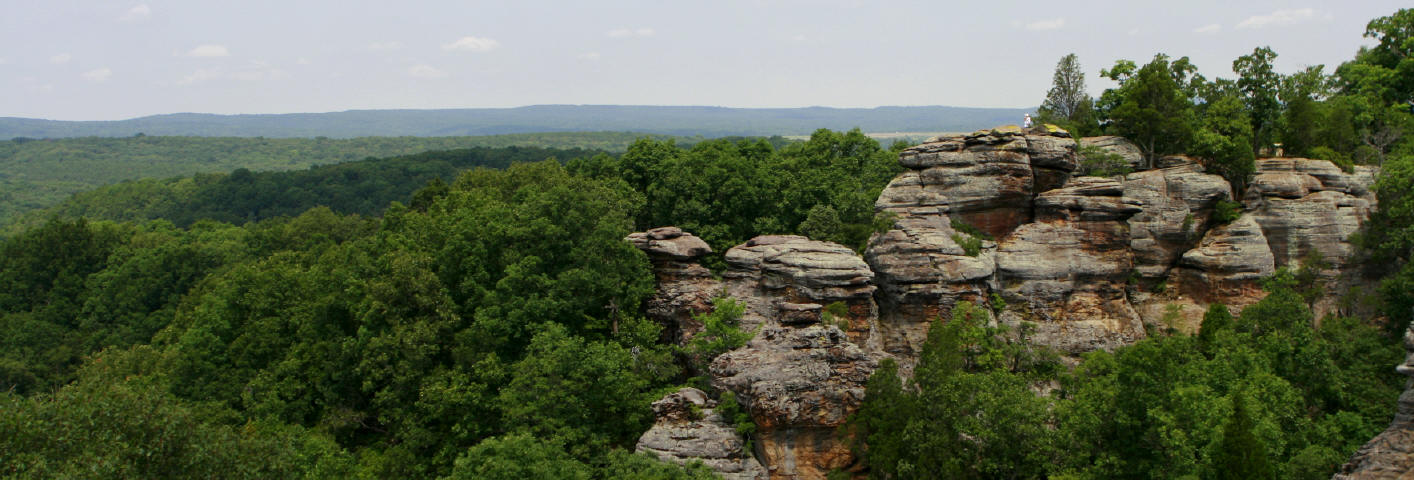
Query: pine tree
1241, 455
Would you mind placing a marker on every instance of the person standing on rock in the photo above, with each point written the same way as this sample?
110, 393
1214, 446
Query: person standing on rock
1026, 123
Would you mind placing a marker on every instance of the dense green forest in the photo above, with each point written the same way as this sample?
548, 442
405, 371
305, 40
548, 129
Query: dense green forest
363, 187
490, 326
661, 120
36, 174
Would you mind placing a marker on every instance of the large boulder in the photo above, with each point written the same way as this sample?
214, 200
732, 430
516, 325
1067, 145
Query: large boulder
791, 279
684, 287
1127, 151
799, 385
688, 428
1177, 206
1227, 265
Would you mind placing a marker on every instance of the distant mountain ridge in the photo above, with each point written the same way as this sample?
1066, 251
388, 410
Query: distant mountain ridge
670, 120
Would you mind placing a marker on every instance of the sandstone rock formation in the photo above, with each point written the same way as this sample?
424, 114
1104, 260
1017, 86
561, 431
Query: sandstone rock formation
689, 428
684, 287
800, 385
1227, 264
1119, 146
987, 180
1068, 270
1390, 455
789, 279
988, 216
1177, 205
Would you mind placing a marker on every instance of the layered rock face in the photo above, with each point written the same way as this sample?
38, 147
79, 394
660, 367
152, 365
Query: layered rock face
987, 180
1390, 455
800, 385
1081, 259
1068, 270
789, 280
689, 428
1127, 151
684, 287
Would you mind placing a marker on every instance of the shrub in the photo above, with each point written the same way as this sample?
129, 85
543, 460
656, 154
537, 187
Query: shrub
1226, 212
1099, 162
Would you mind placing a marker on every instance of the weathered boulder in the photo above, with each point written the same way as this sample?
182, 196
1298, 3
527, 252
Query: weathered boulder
1227, 264
1309, 209
689, 428
789, 278
684, 287
1121, 146
1390, 455
922, 272
1177, 205
1068, 271
986, 178
799, 385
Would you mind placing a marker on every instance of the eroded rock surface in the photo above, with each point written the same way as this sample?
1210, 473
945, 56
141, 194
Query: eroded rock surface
1126, 150
1069, 269
689, 428
987, 180
684, 287
790, 279
1307, 206
1390, 455
800, 385
1177, 205
1227, 264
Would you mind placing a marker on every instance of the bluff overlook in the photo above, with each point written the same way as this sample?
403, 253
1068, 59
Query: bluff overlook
998, 218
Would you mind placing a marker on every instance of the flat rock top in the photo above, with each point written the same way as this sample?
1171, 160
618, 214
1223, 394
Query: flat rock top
797, 254
670, 242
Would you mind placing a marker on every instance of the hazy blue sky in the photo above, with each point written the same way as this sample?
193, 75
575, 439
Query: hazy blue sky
112, 59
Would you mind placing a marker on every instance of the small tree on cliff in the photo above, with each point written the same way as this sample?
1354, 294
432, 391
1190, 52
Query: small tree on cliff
1150, 106
1067, 103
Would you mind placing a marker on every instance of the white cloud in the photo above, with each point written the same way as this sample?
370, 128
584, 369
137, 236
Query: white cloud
473, 44
97, 75
209, 51
423, 70
1279, 17
60, 59
1207, 29
588, 56
1051, 24
302, 61
256, 71
4, 61
630, 32
384, 46
140, 12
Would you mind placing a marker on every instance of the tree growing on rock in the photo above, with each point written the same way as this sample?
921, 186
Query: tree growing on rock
1151, 107
1067, 103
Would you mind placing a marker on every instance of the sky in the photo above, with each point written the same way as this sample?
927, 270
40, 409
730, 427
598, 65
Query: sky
116, 59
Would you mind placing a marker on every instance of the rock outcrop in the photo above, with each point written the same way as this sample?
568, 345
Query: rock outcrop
684, 287
986, 180
800, 385
790, 279
1127, 151
994, 218
689, 428
1068, 270
1390, 455
1177, 205
1308, 209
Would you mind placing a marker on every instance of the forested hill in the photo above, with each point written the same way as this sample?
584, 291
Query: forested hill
673, 120
363, 187
37, 174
